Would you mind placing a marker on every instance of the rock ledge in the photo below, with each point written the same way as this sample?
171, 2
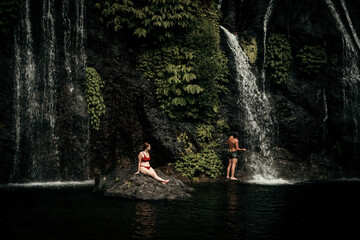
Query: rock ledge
124, 183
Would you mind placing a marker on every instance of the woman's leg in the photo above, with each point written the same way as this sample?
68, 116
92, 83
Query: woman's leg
151, 172
154, 175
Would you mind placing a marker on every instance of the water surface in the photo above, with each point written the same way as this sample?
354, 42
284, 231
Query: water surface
218, 211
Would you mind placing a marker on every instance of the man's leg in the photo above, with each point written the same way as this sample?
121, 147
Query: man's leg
233, 166
228, 169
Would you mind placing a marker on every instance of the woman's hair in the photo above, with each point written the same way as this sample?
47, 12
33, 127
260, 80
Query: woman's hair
235, 135
146, 145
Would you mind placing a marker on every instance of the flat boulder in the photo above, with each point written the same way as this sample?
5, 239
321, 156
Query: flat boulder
123, 183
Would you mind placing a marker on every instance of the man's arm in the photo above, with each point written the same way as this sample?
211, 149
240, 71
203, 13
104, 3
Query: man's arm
237, 146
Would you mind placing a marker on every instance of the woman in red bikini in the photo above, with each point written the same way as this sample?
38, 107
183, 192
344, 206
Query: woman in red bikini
144, 165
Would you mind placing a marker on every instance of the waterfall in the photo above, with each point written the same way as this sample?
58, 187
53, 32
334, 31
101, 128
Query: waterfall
325, 106
258, 124
26, 98
80, 34
350, 77
350, 74
39, 78
351, 71
357, 41
75, 65
266, 21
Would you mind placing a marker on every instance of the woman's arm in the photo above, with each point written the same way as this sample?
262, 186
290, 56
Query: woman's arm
139, 163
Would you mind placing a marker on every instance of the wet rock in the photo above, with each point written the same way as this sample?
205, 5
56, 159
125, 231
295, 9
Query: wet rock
124, 183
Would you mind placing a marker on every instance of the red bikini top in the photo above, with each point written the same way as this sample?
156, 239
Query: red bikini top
145, 159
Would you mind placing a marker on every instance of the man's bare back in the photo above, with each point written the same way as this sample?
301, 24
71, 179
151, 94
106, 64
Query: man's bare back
233, 144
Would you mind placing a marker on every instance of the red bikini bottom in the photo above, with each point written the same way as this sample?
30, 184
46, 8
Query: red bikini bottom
147, 167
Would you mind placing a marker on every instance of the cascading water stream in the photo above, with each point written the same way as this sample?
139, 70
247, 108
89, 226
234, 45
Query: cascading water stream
75, 65
258, 124
351, 71
325, 106
350, 74
353, 32
350, 77
266, 21
24, 68
38, 85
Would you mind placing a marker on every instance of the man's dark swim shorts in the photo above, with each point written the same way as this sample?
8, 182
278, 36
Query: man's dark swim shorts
233, 154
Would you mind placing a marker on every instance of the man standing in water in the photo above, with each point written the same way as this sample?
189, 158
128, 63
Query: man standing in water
233, 143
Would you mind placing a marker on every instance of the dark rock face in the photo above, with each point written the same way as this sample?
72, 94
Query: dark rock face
125, 184
7, 141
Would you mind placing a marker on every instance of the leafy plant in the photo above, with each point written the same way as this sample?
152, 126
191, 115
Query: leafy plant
177, 87
221, 125
206, 162
159, 19
250, 48
204, 132
189, 76
185, 140
312, 59
94, 98
278, 58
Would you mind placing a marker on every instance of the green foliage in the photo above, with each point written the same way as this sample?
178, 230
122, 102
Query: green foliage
94, 98
156, 18
189, 76
171, 70
204, 132
278, 58
185, 140
9, 13
210, 63
312, 59
221, 125
206, 162
250, 48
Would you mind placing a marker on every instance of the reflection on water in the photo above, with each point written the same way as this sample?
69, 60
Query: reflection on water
144, 224
232, 198
233, 207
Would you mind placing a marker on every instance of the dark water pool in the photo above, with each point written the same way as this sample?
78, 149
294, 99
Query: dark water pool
218, 211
